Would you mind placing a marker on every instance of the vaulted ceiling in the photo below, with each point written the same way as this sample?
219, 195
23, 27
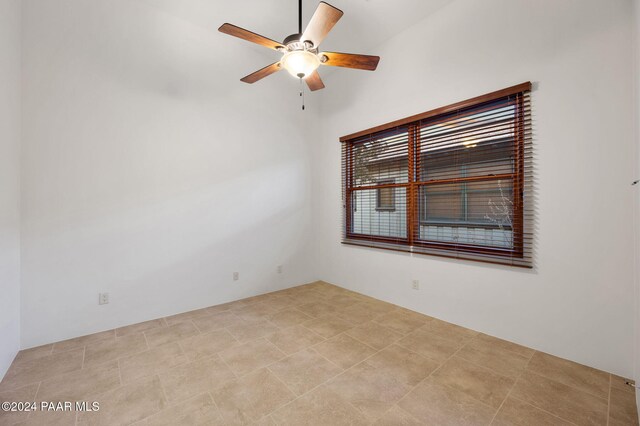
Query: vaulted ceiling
365, 24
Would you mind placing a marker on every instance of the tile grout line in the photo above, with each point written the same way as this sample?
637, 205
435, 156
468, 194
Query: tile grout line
144, 419
308, 331
331, 378
532, 404
236, 375
215, 404
120, 373
483, 367
435, 370
146, 341
543, 410
553, 379
126, 355
147, 377
418, 384
406, 413
575, 389
360, 341
281, 381
164, 393
295, 395
193, 323
533, 351
325, 358
35, 397
37, 390
526, 368
182, 351
362, 362
176, 404
495, 415
540, 408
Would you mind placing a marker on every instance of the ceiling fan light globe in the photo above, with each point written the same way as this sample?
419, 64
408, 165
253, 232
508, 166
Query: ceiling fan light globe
300, 62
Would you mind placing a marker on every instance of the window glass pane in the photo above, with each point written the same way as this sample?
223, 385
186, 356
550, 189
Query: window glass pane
367, 220
477, 144
467, 162
384, 158
386, 199
490, 202
442, 203
478, 213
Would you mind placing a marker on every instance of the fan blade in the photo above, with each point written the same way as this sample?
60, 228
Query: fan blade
262, 73
349, 60
235, 31
323, 19
314, 81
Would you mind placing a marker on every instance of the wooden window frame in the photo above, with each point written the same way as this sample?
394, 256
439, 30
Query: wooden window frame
518, 254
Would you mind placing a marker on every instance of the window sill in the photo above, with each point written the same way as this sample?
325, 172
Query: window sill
479, 254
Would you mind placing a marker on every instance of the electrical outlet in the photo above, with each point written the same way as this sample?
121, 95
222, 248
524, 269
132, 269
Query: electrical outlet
103, 298
415, 284
236, 276
279, 269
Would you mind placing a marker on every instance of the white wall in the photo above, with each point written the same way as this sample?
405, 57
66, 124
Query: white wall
149, 171
9, 182
578, 301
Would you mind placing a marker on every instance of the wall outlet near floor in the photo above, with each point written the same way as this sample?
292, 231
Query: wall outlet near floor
415, 284
236, 276
103, 298
279, 269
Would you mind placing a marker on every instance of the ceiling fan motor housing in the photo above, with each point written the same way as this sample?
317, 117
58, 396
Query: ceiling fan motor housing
291, 39
293, 42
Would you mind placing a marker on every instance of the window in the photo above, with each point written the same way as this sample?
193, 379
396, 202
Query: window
453, 182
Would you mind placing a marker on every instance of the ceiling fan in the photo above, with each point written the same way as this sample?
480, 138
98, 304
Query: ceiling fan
300, 55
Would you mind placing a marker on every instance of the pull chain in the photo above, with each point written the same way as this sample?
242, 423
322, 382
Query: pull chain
300, 32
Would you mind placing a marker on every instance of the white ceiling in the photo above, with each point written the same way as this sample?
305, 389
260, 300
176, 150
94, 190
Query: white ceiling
365, 24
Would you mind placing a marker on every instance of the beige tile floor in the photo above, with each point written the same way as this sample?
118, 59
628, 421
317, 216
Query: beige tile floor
314, 354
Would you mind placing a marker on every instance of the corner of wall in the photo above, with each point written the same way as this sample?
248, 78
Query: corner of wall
10, 153
636, 112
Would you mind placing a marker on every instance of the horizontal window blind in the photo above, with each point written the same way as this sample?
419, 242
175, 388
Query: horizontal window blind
453, 182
